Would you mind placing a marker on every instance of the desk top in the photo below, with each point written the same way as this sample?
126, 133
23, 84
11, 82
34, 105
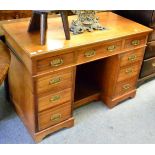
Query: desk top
116, 27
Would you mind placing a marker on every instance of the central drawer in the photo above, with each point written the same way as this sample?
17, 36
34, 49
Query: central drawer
54, 115
96, 52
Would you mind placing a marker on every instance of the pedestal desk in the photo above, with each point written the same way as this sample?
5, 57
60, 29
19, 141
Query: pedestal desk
48, 82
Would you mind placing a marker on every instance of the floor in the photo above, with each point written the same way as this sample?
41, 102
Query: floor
133, 121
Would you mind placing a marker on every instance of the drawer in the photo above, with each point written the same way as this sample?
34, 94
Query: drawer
135, 42
125, 86
128, 72
55, 99
55, 62
13, 14
96, 52
54, 115
55, 81
148, 67
151, 36
131, 57
150, 50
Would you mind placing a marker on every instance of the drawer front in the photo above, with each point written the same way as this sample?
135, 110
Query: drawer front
55, 99
128, 72
55, 82
131, 57
56, 62
54, 116
13, 14
135, 42
148, 67
150, 50
96, 52
125, 87
151, 36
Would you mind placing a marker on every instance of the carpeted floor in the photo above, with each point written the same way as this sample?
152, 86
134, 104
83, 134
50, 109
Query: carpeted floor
133, 121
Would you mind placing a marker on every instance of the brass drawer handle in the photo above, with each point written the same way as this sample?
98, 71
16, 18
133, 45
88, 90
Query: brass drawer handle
135, 42
56, 117
90, 53
129, 70
126, 87
153, 64
57, 62
132, 58
55, 80
111, 48
55, 98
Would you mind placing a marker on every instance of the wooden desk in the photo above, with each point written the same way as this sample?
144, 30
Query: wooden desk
48, 82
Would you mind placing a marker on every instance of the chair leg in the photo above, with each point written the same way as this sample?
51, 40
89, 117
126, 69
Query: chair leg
43, 27
64, 16
39, 22
34, 24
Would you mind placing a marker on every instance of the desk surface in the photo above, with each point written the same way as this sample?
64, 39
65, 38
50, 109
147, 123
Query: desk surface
117, 27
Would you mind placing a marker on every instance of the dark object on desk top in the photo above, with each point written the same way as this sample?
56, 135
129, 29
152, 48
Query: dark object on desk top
39, 22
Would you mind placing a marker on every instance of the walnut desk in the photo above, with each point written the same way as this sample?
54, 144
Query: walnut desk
48, 82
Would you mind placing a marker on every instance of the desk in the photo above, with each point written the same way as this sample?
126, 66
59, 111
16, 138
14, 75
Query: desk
48, 82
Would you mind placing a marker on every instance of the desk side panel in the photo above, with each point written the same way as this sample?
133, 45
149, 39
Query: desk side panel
21, 85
